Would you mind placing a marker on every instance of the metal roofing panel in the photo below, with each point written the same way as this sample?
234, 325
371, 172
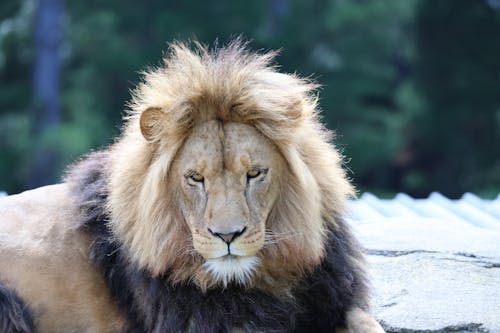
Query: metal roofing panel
469, 209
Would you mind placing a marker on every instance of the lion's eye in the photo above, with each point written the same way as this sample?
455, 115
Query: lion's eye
253, 173
195, 177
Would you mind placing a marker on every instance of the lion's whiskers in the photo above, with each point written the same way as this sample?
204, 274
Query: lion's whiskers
272, 237
187, 250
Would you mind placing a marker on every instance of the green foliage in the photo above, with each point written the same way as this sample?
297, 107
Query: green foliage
410, 87
458, 73
15, 92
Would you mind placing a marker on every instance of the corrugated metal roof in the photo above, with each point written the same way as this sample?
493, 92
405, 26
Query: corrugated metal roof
468, 209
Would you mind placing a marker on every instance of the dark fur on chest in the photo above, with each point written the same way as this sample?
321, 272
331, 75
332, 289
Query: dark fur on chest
15, 314
153, 305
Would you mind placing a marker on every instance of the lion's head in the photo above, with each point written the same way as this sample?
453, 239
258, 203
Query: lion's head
224, 173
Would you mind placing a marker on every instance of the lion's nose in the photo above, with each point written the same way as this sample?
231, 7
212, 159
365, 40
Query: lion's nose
227, 237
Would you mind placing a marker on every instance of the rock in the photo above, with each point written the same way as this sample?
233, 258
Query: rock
432, 275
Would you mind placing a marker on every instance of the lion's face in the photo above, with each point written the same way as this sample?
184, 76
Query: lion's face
228, 179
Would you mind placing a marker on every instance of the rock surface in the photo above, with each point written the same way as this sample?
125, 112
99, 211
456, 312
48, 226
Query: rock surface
433, 275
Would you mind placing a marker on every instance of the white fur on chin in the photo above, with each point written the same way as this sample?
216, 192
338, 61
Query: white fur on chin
232, 269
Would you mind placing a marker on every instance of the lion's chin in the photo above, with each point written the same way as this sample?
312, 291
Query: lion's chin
232, 269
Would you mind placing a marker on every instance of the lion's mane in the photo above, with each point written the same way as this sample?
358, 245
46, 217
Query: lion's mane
306, 282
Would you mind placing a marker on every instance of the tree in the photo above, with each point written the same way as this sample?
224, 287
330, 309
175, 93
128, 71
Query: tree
46, 77
458, 76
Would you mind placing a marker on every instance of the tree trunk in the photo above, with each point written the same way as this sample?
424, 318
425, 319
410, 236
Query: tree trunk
46, 87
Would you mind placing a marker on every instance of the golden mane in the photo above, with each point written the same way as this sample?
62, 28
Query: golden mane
231, 84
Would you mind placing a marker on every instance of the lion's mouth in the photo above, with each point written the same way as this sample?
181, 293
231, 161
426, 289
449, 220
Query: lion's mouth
229, 256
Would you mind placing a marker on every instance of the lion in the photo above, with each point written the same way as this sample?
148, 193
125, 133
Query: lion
218, 209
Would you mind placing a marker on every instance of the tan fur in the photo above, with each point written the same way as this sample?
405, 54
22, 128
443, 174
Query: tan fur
45, 260
255, 115
359, 321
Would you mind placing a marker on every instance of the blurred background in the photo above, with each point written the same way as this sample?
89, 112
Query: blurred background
412, 88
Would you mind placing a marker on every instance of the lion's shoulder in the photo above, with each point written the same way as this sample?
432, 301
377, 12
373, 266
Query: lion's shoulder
35, 214
44, 258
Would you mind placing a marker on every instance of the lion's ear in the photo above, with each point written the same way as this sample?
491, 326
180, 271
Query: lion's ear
150, 123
